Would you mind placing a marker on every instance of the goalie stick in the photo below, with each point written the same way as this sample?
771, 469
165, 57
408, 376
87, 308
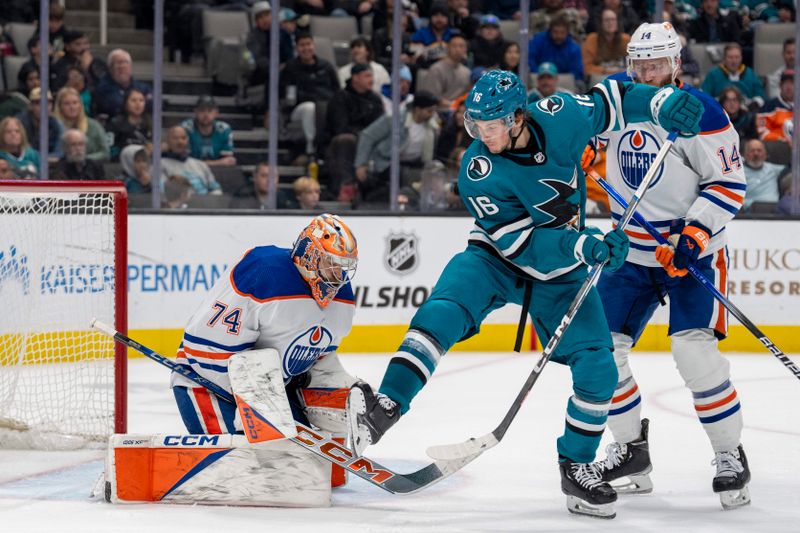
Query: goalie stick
703, 280
313, 441
479, 445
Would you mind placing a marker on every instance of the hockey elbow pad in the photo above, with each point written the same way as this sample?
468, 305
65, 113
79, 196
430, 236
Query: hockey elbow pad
691, 243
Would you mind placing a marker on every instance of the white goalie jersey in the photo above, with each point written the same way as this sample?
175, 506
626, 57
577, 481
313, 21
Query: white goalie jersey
263, 302
701, 179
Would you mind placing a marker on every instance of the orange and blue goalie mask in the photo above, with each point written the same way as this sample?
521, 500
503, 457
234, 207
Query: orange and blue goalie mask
326, 254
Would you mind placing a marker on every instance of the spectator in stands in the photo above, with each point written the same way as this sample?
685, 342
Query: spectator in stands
109, 95
350, 110
420, 128
55, 28
488, 46
429, 42
762, 176
511, 57
361, 52
743, 120
6, 172
453, 135
382, 42
627, 19
540, 18
305, 81
15, 149
306, 194
546, 83
78, 53
76, 79
786, 10
26, 81
405, 91
462, 18
176, 161
132, 125
504, 9
30, 121
254, 195
711, 26
733, 72
12, 103
258, 43
288, 21
74, 165
678, 14
605, 50
785, 98
318, 7
69, 110
136, 169
178, 191
448, 78
210, 140
774, 79
556, 46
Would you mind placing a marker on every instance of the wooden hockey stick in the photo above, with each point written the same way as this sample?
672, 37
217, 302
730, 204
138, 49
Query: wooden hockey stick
313, 441
703, 280
480, 444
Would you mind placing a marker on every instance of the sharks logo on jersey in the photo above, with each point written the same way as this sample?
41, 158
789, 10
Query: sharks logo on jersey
562, 206
635, 152
551, 105
304, 351
479, 168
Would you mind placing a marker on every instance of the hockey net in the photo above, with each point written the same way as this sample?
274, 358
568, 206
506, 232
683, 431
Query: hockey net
63, 261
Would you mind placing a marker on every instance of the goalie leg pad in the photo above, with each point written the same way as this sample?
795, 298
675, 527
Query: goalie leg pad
214, 469
203, 412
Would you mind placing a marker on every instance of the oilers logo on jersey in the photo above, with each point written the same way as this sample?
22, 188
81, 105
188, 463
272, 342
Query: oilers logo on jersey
635, 151
304, 351
479, 168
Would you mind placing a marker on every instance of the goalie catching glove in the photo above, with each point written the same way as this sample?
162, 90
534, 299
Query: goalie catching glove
688, 246
613, 248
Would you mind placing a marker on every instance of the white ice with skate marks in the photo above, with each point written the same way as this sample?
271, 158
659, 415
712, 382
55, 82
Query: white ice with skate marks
512, 487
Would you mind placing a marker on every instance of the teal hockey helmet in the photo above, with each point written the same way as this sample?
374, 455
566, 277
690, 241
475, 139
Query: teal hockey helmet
497, 95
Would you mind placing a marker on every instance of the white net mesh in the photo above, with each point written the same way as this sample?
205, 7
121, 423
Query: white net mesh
56, 274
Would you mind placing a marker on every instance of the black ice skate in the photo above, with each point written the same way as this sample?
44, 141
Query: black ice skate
369, 416
586, 491
632, 461
731, 479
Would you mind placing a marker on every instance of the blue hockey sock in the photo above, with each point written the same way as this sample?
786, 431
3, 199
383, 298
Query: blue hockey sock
410, 368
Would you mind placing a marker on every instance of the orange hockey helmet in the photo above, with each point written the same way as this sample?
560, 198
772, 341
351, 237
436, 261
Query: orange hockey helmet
326, 254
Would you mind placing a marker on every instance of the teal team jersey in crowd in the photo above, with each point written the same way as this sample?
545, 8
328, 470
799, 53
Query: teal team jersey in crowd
214, 146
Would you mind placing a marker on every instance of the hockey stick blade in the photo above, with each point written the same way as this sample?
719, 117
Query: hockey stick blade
471, 447
317, 443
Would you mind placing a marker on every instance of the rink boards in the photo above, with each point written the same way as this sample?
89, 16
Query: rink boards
174, 260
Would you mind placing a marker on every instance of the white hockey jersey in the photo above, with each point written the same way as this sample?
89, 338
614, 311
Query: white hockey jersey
263, 302
701, 179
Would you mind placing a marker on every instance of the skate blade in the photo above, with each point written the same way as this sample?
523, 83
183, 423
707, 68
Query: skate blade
733, 499
358, 436
638, 484
581, 507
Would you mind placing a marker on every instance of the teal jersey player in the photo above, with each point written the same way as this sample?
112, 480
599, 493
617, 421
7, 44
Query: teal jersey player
521, 182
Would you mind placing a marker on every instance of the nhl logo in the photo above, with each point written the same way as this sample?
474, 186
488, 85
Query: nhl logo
401, 253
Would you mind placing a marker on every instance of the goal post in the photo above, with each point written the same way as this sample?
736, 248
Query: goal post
63, 262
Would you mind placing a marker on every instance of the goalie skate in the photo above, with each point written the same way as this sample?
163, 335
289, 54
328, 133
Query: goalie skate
731, 479
628, 465
587, 493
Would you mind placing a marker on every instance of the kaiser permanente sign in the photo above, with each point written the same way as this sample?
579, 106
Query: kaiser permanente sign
174, 260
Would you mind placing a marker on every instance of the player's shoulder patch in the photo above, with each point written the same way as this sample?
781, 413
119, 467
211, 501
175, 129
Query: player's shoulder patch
478, 167
714, 118
551, 105
267, 272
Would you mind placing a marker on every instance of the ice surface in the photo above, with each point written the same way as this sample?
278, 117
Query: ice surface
512, 487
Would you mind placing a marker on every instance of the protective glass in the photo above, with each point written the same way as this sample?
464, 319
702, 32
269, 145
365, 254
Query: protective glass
487, 129
654, 68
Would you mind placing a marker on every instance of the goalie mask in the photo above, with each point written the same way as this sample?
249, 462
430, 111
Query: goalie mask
326, 254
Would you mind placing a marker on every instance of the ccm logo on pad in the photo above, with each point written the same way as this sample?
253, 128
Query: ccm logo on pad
191, 440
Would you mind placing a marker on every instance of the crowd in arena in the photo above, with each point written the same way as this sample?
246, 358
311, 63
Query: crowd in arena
335, 109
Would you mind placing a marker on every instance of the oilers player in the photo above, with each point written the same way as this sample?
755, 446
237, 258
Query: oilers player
699, 189
297, 301
521, 183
